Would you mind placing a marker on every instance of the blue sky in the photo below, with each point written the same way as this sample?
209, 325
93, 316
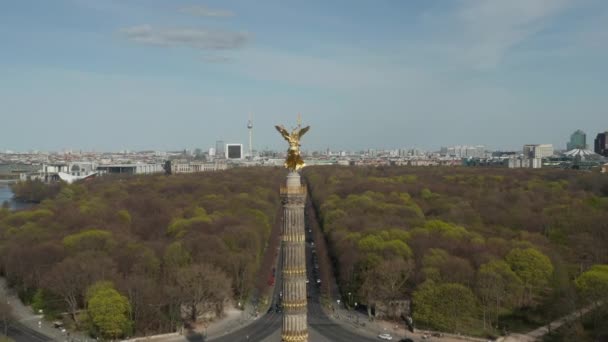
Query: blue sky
151, 74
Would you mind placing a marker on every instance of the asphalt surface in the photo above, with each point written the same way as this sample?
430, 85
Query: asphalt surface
264, 326
267, 327
317, 319
21, 333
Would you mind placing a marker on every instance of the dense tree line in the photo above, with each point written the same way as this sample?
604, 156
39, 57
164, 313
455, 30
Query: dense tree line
140, 255
474, 249
34, 190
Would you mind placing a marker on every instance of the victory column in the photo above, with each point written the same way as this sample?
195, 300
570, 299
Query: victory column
293, 195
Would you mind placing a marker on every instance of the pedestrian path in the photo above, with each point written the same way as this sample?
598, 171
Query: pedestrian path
25, 315
538, 333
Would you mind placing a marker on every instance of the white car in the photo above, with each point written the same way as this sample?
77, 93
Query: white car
385, 337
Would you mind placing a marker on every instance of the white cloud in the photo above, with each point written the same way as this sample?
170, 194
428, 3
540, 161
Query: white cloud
204, 11
494, 27
189, 37
482, 32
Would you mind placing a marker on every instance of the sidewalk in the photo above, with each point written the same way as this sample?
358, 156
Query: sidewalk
360, 323
27, 317
538, 333
234, 319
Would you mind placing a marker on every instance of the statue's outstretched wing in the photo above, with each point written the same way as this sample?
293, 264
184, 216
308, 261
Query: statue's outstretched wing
303, 131
283, 132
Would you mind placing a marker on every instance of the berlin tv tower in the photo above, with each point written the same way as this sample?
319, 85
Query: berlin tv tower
250, 127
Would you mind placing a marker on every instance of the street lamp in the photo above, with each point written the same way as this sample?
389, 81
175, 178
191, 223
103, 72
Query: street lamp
350, 302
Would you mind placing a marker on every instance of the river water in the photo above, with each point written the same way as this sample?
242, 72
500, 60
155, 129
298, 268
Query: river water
6, 194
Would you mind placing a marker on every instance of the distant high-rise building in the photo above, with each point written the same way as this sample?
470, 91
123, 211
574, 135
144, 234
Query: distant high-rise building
234, 151
538, 150
578, 140
601, 144
219, 148
465, 151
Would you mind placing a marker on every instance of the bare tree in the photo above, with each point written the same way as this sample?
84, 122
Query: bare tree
385, 282
203, 288
68, 280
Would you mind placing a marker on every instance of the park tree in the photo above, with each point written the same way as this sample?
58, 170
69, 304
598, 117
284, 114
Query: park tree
68, 280
593, 284
593, 288
203, 288
108, 310
533, 268
115, 228
498, 288
385, 282
89, 240
446, 307
175, 257
146, 300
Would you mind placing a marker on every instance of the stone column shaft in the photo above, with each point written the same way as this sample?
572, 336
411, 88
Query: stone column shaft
295, 325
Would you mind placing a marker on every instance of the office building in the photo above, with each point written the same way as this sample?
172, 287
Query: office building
458, 151
197, 166
601, 144
234, 151
538, 151
219, 147
130, 169
531, 163
578, 140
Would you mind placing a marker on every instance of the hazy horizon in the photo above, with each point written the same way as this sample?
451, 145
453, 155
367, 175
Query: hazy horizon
168, 75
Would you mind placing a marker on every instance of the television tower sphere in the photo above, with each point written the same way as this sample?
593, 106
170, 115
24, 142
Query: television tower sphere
250, 124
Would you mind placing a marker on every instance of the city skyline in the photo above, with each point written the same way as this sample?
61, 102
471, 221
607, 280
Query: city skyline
212, 149
171, 75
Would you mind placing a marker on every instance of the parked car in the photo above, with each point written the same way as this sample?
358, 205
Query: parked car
406, 340
387, 337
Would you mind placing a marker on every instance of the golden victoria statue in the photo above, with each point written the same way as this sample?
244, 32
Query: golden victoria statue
294, 161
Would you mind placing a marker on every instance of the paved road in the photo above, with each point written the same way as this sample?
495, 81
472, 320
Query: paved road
264, 326
21, 333
317, 319
267, 327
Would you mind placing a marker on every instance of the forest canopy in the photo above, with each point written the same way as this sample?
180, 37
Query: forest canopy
132, 255
502, 245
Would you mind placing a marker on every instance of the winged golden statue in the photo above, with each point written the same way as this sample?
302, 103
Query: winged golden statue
294, 161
